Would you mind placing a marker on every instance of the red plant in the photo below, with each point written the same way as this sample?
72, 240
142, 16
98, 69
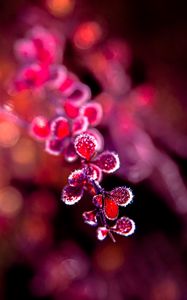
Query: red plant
70, 131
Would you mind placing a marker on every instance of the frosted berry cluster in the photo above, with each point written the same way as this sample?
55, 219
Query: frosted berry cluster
70, 131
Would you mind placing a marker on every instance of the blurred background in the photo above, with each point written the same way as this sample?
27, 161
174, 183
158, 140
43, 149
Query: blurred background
132, 55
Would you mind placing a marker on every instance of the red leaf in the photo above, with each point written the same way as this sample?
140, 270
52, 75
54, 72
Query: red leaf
85, 145
124, 226
60, 127
122, 195
108, 161
77, 178
111, 209
79, 125
102, 233
90, 217
40, 128
71, 194
93, 111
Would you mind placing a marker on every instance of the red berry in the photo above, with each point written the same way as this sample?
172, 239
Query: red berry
122, 195
85, 145
108, 161
40, 128
111, 209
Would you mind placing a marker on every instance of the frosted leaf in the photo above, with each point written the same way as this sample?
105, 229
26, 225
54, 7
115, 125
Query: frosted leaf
98, 136
71, 194
108, 161
85, 145
79, 125
124, 226
58, 76
93, 111
39, 128
25, 50
69, 152
122, 195
98, 200
53, 146
79, 94
60, 127
111, 209
90, 217
77, 178
71, 110
102, 233
93, 172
